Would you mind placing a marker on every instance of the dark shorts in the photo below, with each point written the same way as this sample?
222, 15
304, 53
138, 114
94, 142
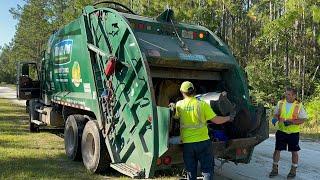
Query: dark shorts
286, 141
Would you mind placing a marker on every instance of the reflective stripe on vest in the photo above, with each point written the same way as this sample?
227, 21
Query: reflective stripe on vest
296, 111
280, 109
200, 123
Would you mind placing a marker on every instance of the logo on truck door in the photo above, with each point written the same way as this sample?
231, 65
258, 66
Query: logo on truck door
62, 51
76, 74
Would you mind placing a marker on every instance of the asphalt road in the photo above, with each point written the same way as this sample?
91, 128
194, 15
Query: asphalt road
260, 165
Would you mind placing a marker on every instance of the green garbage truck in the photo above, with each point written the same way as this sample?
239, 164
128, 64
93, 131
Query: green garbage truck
108, 76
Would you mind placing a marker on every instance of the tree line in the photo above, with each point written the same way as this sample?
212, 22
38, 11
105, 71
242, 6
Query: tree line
275, 41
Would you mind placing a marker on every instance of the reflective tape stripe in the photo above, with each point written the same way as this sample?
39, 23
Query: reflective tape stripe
71, 105
280, 109
296, 111
193, 126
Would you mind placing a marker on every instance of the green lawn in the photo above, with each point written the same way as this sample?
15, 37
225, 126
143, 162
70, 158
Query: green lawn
25, 155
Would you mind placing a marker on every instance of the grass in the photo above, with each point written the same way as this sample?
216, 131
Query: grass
25, 155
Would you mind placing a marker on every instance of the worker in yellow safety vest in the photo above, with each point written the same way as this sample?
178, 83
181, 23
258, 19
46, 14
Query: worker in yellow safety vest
197, 147
289, 113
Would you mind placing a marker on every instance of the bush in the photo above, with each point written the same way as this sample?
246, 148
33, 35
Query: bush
313, 109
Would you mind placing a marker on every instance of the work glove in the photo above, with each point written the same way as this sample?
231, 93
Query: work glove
274, 121
232, 116
287, 123
172, 107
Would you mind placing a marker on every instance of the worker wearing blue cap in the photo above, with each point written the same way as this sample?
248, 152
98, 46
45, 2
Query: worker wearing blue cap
193, 115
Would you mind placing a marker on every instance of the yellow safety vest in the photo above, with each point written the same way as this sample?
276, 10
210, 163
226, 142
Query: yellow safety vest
293, 114
193, 115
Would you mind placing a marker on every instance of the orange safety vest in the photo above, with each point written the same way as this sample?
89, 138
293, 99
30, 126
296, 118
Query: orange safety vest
292, 114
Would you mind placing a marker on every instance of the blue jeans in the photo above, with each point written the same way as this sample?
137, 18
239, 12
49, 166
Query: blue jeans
198, 152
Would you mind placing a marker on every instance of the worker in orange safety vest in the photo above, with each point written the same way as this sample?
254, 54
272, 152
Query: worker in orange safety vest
289, 113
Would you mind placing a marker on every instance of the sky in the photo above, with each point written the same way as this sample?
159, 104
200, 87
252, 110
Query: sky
7, 23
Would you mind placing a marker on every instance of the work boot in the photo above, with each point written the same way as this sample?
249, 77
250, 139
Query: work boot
292, 172
274, 171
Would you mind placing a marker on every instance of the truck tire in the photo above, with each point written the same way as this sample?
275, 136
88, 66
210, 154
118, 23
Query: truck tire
93, 148
72, 136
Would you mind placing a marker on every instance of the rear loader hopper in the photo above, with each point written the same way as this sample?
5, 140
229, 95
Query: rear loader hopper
108, 76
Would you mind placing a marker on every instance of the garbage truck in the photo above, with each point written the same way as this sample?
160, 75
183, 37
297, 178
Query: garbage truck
107, 78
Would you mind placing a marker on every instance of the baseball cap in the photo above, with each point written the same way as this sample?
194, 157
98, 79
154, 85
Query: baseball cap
185, 86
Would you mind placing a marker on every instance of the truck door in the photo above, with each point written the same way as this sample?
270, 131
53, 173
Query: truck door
28, 84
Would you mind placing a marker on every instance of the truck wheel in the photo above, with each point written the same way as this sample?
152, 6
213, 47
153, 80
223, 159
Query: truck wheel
94, 151
72, 136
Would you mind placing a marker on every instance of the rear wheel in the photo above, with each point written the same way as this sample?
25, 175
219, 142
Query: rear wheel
72, 136
93, 147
